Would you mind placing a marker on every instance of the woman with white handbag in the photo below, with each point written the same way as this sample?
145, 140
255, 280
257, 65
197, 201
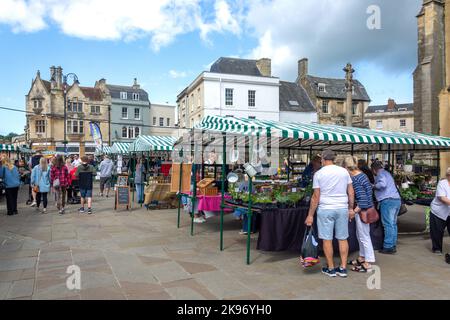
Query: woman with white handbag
40, 182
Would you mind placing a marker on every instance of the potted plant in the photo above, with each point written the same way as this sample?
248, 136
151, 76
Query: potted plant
408, 166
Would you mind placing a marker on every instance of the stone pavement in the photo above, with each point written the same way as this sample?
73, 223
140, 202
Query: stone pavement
142, 255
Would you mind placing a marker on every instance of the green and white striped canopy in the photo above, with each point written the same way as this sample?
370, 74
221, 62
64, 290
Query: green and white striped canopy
152, 143
305, 135
8, 147
105, 150
120, 147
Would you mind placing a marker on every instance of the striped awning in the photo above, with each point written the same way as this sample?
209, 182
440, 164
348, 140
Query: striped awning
8, 147
152, 143
25, 150
120, 147
105, 150
306, 135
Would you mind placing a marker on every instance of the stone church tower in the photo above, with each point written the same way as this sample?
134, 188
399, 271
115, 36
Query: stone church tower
432, 75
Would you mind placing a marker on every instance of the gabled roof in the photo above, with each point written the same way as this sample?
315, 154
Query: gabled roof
236, 66
294, 98
384, 108
47, 85
335, 88
115, 91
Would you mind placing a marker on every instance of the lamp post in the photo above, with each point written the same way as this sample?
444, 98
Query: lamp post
65, 85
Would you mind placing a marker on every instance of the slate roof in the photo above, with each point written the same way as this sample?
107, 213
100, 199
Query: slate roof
294, 98
236, 66
384, 108
335, 88
115, 91
47, 85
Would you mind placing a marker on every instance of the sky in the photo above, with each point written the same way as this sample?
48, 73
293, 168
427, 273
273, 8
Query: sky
166, 44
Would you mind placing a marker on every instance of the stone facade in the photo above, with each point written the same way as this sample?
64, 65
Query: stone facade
163, 120
45, 117
329, 97
391, 117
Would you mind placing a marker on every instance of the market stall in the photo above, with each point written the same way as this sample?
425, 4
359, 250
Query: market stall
294, 137
156, 152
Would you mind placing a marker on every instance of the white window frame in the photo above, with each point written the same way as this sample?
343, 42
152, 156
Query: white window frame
168, 122
138, 130
124, 108
161, 121
402, 121
71, 124
125, 130
123, 95
135, 96
96, 109
325, 103
154, 121
251, 98
355, 109
322, 87
139, 113
40, 124
379, 124
229, 97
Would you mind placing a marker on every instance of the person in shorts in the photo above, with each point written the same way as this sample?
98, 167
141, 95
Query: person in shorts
85, 174
333, 198
106, 170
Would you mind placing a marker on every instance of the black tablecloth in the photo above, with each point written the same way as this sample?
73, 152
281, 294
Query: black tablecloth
283, 230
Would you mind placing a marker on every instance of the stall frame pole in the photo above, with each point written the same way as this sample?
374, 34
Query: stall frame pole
194, 191
222, 207
180, 193
249, 217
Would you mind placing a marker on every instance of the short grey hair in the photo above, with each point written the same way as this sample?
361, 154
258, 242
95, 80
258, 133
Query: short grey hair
328, 154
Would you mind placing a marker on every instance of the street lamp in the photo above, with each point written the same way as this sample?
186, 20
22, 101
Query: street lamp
65, 85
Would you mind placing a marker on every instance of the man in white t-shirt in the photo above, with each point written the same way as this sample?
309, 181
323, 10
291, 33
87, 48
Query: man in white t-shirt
333, 198
440, 214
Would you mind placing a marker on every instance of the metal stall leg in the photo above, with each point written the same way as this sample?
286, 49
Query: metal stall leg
249, 217
179, 195
224, 162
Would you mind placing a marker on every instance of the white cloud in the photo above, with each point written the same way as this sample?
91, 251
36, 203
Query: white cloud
177, 74
161, 20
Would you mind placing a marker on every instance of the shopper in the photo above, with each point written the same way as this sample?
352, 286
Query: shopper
40, 182
333, 198
440, 214
139, 179
85, 174
389, 200
364, 201
362, 166
106, 170
59, 178
69, 167
310, 170
34, 161
11, 179
76, 161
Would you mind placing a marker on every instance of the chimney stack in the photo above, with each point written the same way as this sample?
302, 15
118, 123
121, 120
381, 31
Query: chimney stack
391, 105
302, 68
53, 77
264, 66
136, 86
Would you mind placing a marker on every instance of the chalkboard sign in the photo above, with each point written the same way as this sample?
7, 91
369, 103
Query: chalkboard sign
122, 181
122, 197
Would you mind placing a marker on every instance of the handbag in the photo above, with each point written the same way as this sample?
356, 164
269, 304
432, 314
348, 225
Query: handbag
369, 216
36, 187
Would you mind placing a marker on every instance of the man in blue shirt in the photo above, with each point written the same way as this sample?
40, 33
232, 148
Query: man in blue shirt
390, 202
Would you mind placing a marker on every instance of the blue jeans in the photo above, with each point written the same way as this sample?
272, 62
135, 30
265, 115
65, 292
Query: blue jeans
245, 223
389, 209
140, 192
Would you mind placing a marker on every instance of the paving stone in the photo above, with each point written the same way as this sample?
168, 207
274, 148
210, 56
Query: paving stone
192, 284
108, 293
193, 268
18, 263
153, 260
169, 271
21, 288
6, 276
221, 285
4, 289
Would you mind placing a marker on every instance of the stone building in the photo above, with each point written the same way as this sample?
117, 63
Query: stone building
163, 120
432, 75
329, 97
45, 114
391, 117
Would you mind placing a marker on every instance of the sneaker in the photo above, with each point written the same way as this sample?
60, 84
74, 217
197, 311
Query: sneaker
329, 272
199, 220
44, 211
388, 251
89, 211
438, 253
447, 258
243, 233
81, 210
34, 204
101, 194
341, 272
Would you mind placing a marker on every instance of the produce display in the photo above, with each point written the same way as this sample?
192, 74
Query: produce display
413, 193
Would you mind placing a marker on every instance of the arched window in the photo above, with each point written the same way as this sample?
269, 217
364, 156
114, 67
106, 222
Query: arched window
136, 132
130, 132
124, 132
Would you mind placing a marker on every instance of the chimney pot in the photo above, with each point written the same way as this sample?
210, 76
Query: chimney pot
391, 104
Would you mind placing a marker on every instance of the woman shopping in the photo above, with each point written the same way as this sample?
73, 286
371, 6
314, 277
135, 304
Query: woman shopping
11, 179
59, 178
364, 202
40, 182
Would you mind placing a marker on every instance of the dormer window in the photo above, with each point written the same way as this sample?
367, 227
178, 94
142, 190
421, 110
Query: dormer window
123, 95
402, 109
322, 87
136, 96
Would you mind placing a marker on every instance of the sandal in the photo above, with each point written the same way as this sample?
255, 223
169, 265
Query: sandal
355, 263
361, 268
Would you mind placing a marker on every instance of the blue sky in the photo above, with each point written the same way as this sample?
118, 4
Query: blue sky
166, 44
